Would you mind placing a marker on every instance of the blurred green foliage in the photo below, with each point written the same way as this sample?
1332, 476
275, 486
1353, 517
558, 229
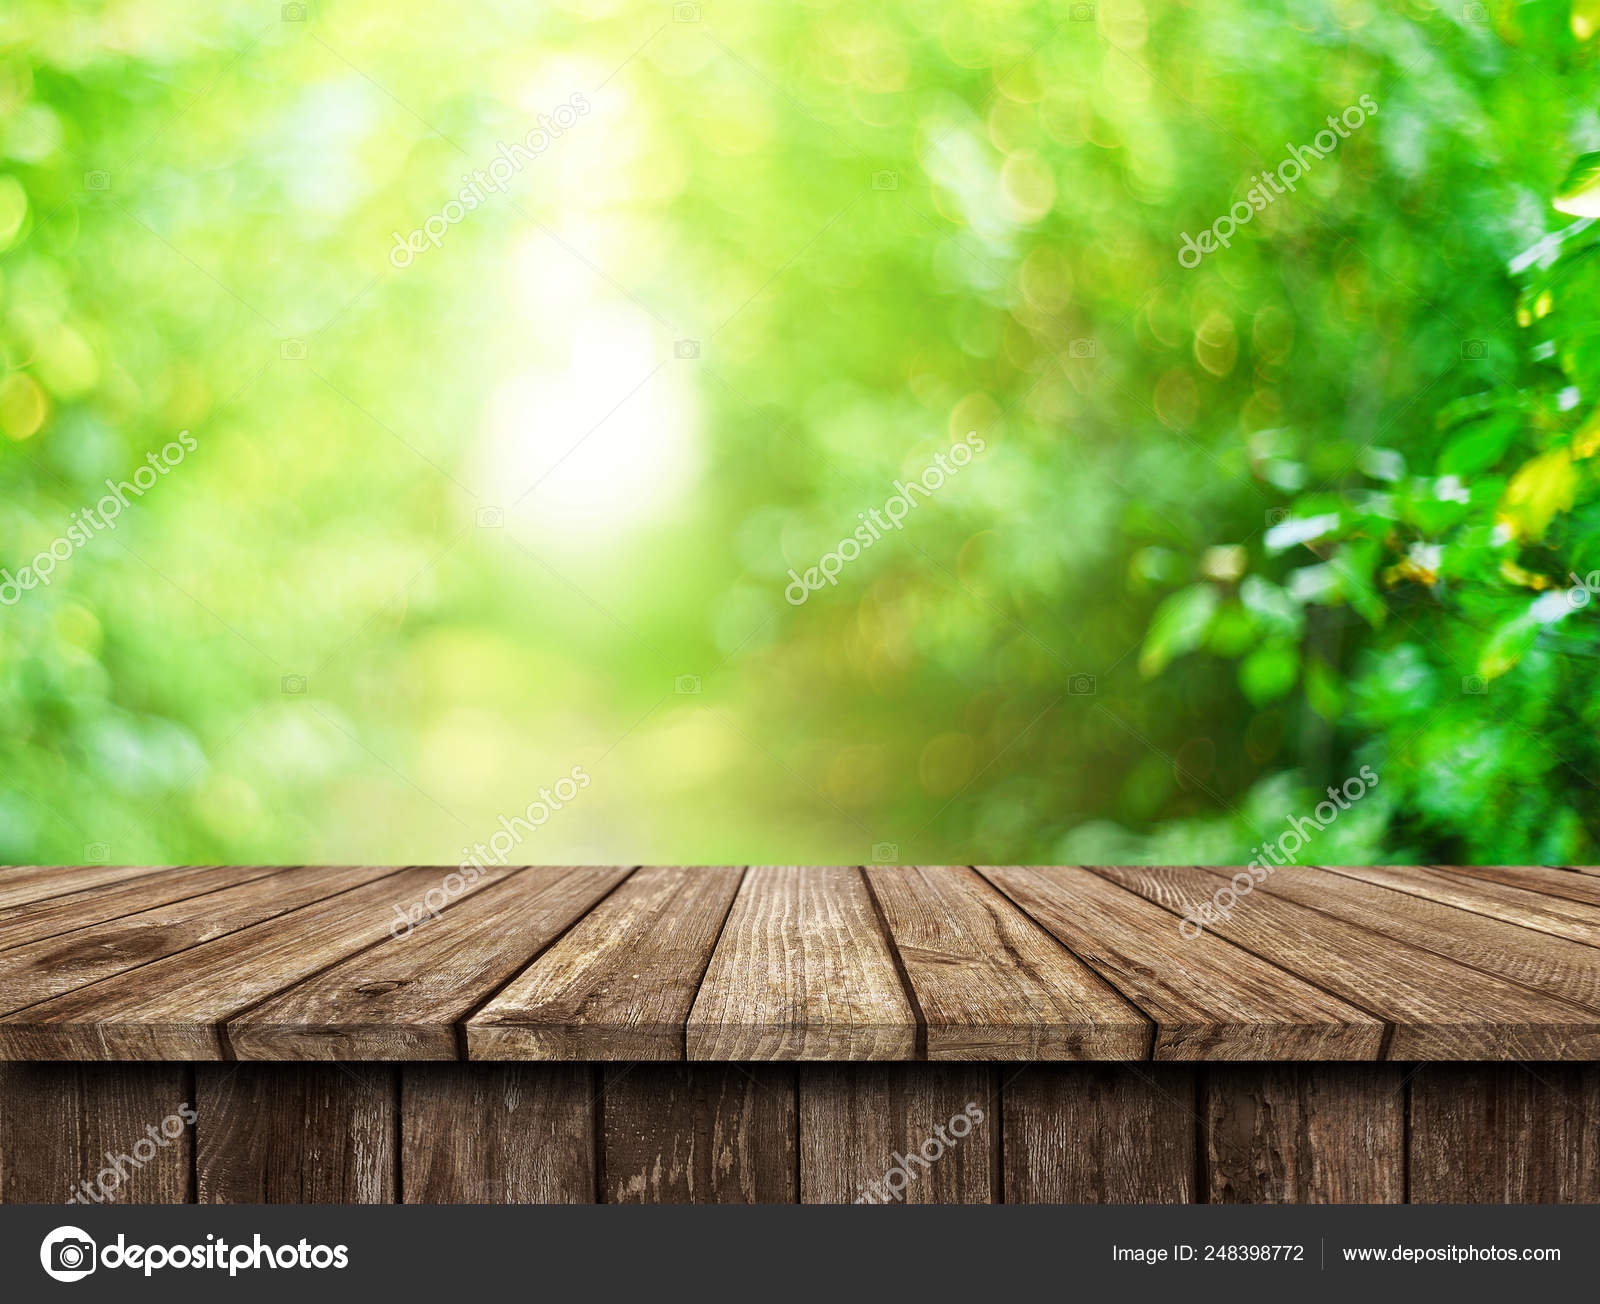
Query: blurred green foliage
1326, 499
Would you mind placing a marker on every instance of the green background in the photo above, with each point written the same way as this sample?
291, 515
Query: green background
530, 502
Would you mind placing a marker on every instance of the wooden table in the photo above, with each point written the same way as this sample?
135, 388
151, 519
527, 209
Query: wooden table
780, 1033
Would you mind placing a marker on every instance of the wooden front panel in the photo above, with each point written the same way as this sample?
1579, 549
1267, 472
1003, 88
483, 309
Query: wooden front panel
654, 1133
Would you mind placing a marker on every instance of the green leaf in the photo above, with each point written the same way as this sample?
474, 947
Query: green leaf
1579, 194
1177, 627
1507, 646
1269, 672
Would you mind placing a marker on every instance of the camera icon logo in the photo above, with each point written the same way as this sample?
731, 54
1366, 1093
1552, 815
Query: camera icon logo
686, 13
294, 13
1276, 516
96, 853
886, 180
491, 518
293, 685
885, 853
686, 349
1475, 13
1081, 13
1474, 348
1082, 349
293, 350
686, 684
1081, 686
1474, 685
97, 181
68, 1254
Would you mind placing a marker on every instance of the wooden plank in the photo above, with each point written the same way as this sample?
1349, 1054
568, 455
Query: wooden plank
619, 985
701, 1134
1533, 878
95, 1134
1208, 998
498, 1133
1505, 1134
52, 966
1536, 960
899, 1134
20, 884
1515, 905
990, 983
41, 919
1304, 1134
403, 999
803, 970
174, 1007
1090, 1134
296, 1134
1437, 1009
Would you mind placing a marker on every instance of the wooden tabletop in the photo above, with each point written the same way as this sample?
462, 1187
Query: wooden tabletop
799, 963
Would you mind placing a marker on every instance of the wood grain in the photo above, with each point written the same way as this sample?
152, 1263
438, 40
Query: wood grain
83, 1132
499, 1134
990, 983
295, 1134
174, 1007
53, 966
41, 919
1505, 1134
20, 884
1516, 905
620, 984
403, 999
1208, 998
802, 971
1436, 1008
701, 1134
1092, 1134
1534, 878
1535, 960
1304, 1134
899, 1134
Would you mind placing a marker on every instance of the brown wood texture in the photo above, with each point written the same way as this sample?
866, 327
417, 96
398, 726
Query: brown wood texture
174, 1007
81, 960
1304, 1134
989, 983
96, 1134
1505, 1134
1100, 1134
803, 970
295, 1134
63, 914
499, 1133
1539, 911
620, 984
20, 884
404, 999
701, 1134
899, 1134
1208, 998
797, 963
1434, 1007
1536, 960
536, 1133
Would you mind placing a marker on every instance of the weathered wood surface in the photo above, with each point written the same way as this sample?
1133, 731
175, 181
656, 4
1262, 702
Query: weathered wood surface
620, 984
1435, 1007
654, 1133
1209, 999
834, 963
803, 970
